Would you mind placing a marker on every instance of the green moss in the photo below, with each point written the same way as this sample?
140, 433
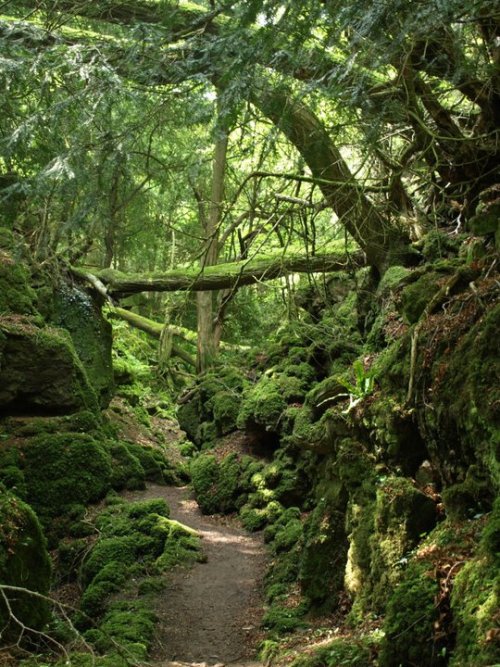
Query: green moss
63, 470
127, 471
287, 536
156, 467
15, 294
417, 295
216, 485
74, 310
182, 545
402, 515
324, 554
470, 497
264, 405
225, 411
280, 620
40, 370
24, 562
475, 599
409, 623
128, 624
255, 519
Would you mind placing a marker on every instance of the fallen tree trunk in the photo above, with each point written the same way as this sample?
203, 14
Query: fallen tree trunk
154, 329
224, 276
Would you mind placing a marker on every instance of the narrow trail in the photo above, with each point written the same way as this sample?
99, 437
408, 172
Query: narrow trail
209, 613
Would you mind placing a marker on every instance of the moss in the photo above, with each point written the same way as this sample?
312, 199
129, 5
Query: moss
265, 403
437, 245
63, 470
15, 294
182, 545
120, 550
155, 465
464, 375
127, 471
417, 295
128, 624
287, 536
470, 497
216, 485
24, 562
74, 310
324, 555
409, 622
353, 652
225, 411
280, 620
40, 370
475, 600
212, 401
402, 515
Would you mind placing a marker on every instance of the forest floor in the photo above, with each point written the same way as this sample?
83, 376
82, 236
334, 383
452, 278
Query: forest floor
210, 612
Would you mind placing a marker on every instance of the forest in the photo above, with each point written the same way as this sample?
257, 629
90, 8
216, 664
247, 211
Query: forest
249, 319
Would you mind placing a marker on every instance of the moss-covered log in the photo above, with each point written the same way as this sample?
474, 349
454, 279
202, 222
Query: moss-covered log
154, 329
225, 276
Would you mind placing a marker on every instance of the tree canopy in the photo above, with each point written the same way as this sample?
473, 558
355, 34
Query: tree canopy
339, 121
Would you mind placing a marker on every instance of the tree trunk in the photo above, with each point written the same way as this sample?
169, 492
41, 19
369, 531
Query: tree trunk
207, 345
225, 276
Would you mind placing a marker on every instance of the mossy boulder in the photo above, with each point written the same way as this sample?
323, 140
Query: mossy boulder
402, 515
127, 471
216, 484
24, 562
60, 473
409, 623
324, 554
210, 408
77, 312
40, 370
264, 405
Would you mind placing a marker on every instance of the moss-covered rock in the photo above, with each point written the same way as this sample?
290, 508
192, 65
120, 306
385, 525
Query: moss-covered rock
409, 623
40, 370
76, 311
210, 409
16, 296
24, 562
324, 554
475, 599
264, 405
216, 485
61, 473
402, 515
127, 471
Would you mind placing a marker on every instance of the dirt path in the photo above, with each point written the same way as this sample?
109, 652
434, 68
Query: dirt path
211, 612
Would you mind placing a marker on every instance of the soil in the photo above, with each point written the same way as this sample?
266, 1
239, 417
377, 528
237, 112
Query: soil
210, 612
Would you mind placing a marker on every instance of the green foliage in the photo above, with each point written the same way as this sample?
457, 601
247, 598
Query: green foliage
349, 652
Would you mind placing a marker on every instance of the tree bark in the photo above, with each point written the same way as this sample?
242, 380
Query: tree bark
207, 344
224, 276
